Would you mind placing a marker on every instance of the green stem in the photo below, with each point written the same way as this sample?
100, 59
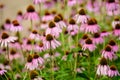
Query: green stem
89, 63
63, 42
75, 66
25, 76
52, 63
18, 34
6, 77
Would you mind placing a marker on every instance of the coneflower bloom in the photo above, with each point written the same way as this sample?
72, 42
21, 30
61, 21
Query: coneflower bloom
29, 65
48, 56
71, 2
16, 27
108, 53
51, 42
34, 35
6, 65
112, 7
13, 54
3, 50
2, 71
16, 44
47, 17
113, 45
48, 4
104, 33
72, 27
103, 67
92, 26
116, 31
5, 39
83, 27
7, 24
40, 47
62, 22
38, 1
116, 21
53, 12
88, 45
19, 16
64, 57
93, 6
34, 75
28, 44
37, 60
31, 14
84, 37
97, 39
113, 71
81, 17
58, 21
53, 29
43, 25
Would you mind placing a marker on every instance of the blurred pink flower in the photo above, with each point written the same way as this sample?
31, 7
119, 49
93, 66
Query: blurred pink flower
81, 17
93, 6
38, 1
58, 22
40, 47
72, 27
97, 39
37, 60
82, 40
7, 24
2, 71
116, 31
104, 33
92, 26
71, 2
88, 45
5, 39
53, 29
19, 16
14, 55
51, 42
108, 53
16, 27
113, 71
44, 25
34, 35
29, 65
112, 8
113, 45
47, 17
31, 14
28, 44
103, 67
116, 21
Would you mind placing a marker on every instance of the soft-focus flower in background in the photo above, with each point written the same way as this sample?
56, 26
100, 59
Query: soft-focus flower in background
72, 27
108, 53
31, 14
89, 45
113, 71
103, 67
5, 39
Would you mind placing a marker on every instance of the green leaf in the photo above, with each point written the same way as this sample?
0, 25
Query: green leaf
83, 76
